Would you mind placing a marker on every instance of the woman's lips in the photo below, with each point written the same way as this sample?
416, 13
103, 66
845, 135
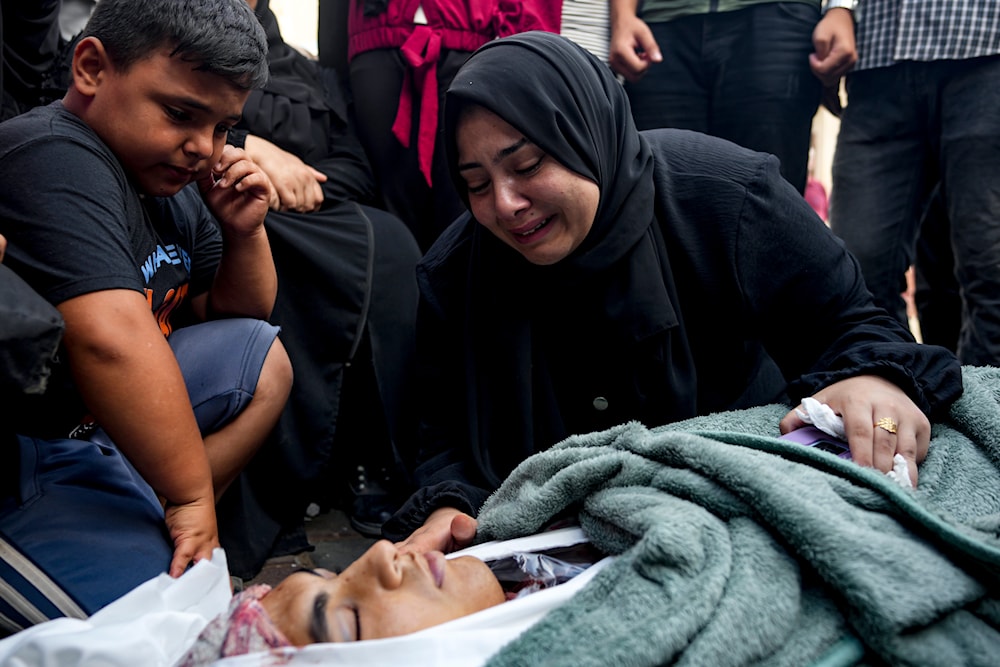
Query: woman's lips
530, 232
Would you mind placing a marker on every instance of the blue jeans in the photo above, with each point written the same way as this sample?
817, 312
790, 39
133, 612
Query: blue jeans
742, 75
905, 128
79, 527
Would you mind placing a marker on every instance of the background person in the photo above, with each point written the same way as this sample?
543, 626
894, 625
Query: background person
920, 115
743, 71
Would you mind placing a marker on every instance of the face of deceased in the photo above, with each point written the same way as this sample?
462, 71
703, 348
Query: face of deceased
382, 594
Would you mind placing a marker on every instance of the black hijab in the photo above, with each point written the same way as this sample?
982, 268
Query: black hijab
538, 337
568, 103
301, 104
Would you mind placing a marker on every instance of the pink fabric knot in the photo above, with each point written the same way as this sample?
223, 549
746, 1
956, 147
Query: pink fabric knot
421, 51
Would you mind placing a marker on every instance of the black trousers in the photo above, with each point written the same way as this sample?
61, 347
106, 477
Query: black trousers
742, 75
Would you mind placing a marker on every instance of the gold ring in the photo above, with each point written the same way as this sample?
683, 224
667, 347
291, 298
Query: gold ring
887, 424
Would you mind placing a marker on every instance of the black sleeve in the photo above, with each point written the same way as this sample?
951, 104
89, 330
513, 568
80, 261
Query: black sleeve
348, 172
30, 47
30, 331
346, 165
807, 295
445, 474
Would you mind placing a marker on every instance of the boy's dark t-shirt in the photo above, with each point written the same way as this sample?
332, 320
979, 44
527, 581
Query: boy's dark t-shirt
75, 224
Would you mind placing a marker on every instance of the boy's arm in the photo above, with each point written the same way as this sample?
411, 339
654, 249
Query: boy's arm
245, 282
129, 379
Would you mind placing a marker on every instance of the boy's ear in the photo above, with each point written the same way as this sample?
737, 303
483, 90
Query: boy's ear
90, 65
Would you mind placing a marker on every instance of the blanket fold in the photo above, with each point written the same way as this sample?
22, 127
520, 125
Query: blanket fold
740, 548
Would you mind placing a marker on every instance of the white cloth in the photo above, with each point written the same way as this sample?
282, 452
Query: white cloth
152, 625
156, 623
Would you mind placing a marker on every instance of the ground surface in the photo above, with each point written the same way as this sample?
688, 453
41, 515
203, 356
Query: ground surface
336, 544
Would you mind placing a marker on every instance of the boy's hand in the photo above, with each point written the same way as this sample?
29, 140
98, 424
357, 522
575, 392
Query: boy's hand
194, 532
237, 192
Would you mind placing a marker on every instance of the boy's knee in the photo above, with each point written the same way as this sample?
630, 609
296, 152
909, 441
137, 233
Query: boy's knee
276, 375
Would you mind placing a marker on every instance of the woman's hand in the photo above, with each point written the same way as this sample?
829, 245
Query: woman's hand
296, 184
865, 401
446, 529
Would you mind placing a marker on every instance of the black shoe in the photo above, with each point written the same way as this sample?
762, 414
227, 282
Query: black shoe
373, 501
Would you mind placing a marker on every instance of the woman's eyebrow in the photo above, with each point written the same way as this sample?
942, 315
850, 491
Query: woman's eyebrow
318, 628
501, 154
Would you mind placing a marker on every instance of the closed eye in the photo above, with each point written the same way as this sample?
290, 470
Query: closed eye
319, 631
477, 189
530, 169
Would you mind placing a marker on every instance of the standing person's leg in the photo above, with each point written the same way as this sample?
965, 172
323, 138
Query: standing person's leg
673, 93
970, 155
879, 179
377, 77
937, 296
765, 95
447, 204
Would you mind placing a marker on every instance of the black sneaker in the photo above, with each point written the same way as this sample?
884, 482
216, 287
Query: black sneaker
373, 502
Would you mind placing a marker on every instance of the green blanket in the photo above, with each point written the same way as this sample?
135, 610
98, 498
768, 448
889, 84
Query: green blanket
739, 548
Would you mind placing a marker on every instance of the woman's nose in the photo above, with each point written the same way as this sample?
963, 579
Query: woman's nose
509, 201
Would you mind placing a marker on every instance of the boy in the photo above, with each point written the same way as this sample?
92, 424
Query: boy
100, 220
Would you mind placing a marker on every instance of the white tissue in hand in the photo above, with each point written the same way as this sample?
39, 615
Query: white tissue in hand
822, 417
900, 472
825, 419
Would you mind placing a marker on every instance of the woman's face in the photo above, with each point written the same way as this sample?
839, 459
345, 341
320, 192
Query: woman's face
521, 194
382, 594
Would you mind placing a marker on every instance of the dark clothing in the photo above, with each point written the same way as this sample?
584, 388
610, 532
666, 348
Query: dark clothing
655, 11
376, 79
30, 331
906, 128
346, 303
165, 248
31, 46
706, 283
303, 110
936, 293
740, 75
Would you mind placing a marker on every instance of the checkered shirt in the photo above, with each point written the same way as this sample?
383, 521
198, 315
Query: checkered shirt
889, 31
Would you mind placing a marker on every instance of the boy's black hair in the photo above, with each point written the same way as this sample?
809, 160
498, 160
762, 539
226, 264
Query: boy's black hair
223, 36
